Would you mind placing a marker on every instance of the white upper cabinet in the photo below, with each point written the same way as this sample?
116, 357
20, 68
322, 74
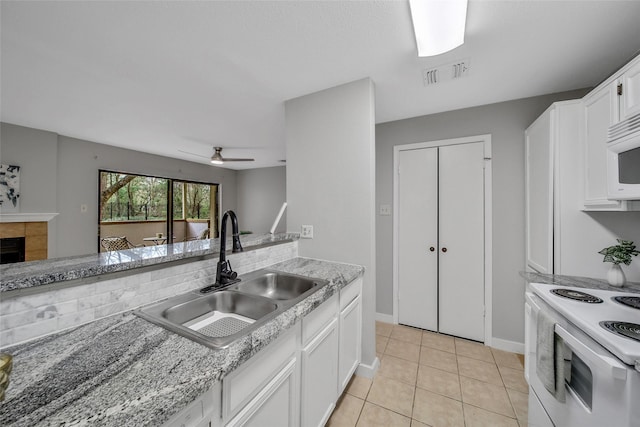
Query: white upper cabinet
611, 102
539, 192
552, 189
630, 97
601, 110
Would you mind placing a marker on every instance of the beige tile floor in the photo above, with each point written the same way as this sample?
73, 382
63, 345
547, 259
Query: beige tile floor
429, 379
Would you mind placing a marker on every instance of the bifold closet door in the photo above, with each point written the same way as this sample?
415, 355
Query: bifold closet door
418, 238
461, 240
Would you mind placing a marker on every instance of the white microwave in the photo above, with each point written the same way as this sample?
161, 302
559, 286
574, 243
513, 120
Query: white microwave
623, 160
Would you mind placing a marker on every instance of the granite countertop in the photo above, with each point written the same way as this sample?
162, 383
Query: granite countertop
124, 371
38, 273
578, 282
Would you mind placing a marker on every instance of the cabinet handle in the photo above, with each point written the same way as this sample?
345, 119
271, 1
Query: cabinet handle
444, 249
432, 249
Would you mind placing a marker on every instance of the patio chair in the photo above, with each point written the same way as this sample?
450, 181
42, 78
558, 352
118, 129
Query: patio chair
204, 234
117, 243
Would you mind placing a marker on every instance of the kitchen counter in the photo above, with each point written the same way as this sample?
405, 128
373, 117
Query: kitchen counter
578, 282
38, 273
124, 371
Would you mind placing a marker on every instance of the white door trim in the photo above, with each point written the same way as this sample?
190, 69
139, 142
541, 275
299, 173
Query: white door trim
488, 229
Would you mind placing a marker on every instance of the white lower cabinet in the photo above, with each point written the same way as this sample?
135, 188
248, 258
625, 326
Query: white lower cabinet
254, 383
275, 405
296, 380
319, 385
201, 413
320, 376
350, 345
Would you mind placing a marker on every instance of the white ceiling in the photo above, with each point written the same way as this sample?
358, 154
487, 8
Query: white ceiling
160, 77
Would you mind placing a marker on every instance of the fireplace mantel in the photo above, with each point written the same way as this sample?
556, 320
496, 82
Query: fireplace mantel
27, 217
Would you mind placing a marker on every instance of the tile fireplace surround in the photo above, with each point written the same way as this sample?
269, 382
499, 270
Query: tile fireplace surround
33, 227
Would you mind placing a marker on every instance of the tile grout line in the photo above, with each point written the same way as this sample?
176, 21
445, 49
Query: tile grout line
462, 402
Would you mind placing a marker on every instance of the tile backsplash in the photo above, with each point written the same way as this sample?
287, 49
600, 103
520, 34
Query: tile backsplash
30, 316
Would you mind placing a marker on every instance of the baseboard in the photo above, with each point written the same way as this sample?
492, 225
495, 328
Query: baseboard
368, 371
386, 318
512, 346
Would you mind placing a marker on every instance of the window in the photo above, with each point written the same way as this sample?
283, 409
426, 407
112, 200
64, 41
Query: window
136, 207
126, 197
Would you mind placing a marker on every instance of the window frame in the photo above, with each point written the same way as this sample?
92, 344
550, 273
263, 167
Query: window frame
169, 195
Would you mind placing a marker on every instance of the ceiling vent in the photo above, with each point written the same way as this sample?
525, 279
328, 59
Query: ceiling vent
452, 71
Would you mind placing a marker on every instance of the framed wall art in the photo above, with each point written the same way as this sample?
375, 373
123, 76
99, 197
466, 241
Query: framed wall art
9, 189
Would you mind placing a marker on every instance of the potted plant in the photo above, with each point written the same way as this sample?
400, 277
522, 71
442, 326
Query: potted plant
617, 254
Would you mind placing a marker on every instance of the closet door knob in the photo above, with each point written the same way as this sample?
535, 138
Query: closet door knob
444, 249
432, 249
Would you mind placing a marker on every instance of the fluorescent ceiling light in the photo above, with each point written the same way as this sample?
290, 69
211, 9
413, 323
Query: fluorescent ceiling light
438, 24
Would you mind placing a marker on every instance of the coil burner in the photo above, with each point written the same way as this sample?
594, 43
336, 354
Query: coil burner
576, 295
625, 329
633, 302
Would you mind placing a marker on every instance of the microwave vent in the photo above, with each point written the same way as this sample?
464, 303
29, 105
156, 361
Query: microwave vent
624, 128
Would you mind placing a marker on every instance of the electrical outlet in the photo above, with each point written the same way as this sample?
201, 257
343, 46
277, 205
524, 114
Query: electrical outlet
307, 232
385, 210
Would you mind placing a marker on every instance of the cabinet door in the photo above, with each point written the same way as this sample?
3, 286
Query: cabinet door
539, 194
241, 385
319, 377
275, 405
461, 258
630, 105
600, 112
350, 341
417, 234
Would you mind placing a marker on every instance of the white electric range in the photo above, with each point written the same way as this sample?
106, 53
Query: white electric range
600, 330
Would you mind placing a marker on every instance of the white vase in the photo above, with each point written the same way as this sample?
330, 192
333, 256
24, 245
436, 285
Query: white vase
615, 275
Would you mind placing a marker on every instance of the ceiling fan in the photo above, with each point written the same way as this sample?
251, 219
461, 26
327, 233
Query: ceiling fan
217, 158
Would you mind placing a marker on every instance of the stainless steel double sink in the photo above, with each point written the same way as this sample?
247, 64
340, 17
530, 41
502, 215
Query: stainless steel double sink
218, 318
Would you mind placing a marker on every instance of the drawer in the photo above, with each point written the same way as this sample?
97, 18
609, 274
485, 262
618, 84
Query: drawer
315, 321
350, 292
239, 387
198, 413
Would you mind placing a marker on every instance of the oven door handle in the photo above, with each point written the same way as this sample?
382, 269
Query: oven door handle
605, 362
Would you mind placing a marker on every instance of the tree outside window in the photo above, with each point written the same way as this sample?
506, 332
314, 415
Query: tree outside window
126, 198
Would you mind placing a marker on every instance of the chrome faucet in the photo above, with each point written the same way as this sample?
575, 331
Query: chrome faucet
224, 274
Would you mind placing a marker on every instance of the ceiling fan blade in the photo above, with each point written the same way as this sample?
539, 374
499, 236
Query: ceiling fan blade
194, 154
227, 159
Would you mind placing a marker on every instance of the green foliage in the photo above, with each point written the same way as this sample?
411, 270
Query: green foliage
144, 198
620, 253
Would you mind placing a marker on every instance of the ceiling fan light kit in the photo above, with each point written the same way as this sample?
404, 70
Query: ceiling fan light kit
438, 25
217, 158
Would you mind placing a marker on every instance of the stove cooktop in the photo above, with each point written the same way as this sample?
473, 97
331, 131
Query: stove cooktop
591, 317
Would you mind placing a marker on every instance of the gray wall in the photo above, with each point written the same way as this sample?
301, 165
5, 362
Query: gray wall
330, 183
261, 193
36, 152
506, 123
58, 174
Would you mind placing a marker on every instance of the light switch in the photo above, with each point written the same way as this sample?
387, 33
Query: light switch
83, 208
385, 210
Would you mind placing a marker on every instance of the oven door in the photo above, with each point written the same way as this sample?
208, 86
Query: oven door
597, 392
